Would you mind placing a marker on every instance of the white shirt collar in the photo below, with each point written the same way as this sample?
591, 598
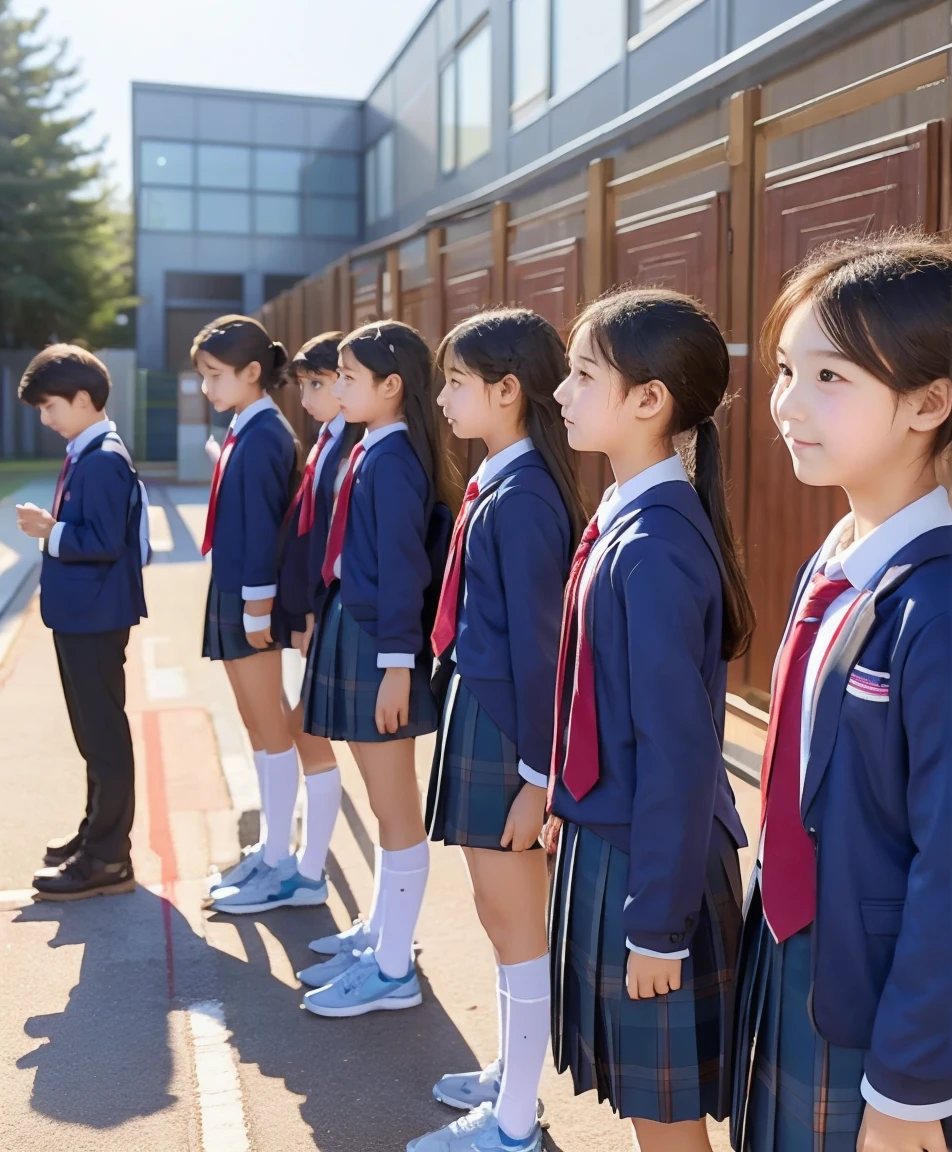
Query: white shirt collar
241, 419
335, 426
80, 443
618, 497
378, 434
866, 558
493, 465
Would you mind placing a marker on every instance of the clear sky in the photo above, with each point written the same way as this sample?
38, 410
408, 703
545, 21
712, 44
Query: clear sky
310, 47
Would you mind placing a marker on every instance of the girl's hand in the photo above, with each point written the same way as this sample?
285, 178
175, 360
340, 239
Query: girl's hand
550, 835
393, 701
259, 640
212, 450
302, 640
35, 522
881, 1133
525, 819
650, 976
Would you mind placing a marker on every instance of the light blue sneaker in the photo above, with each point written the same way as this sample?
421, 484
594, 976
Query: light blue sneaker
467, 1090
328, 970
251, 860
357, 936
279, 887
364, 988
477, 1131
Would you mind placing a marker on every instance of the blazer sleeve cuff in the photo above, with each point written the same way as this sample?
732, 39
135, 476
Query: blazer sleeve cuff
53, 543
921, 1113
258, 591
682, 955
539, 779
395, 660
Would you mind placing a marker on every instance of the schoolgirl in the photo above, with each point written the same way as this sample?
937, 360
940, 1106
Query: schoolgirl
645, 916
845, 979
368, 673
498, 628
251, 489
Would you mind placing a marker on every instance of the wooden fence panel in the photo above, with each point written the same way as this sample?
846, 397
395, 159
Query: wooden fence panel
548, 281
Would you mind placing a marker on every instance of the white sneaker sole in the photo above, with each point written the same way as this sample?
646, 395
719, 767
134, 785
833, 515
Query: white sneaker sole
468, 1105
390, 1004
298, 900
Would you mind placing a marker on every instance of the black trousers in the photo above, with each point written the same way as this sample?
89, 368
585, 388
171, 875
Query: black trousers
92, 669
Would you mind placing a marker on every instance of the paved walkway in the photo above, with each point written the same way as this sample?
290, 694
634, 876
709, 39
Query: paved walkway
140, 1022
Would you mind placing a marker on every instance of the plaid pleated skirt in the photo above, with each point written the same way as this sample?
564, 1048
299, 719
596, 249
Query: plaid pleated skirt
667, 1059
224, 637
793, 1091
475, 775
341, 682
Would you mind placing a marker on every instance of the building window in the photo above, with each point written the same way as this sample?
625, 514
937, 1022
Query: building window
530, 58
277, 215
650, 16
165, 210
330, 216
466, 102
333, 173
166, 162
224, 212
379, 180
278, 169
588, 37
223, 166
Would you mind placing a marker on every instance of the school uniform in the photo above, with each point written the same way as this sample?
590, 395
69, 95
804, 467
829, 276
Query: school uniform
372, 618
845, 979
304, 538
251, 492
648, 853
91, 594
496, 729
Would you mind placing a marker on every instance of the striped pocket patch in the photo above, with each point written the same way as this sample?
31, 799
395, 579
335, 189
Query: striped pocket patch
868, 684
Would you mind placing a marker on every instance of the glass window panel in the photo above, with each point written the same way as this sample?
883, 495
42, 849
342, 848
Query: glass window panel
448, 118
370, 185
223, 166
652, 11
165, 162
334, 172
325, 216
277, 215
165, 210
385, 176
224, 212
530, 50
587, 38
474, 63
278, 169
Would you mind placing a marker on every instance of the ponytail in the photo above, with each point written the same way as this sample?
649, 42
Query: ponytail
239, 341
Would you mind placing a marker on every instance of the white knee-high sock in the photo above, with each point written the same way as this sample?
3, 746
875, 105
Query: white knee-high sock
282, 793
375, 919
403, 882
526, 1044
502, 1011
261, 768
323, 804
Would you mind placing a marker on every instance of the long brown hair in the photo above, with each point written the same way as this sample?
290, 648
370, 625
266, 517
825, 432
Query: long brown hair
516, 341
655, 334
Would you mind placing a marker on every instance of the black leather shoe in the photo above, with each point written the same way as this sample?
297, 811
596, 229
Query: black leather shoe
60, 850
81, 876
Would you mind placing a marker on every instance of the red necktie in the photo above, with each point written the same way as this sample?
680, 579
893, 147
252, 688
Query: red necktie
305, 494
444, 629
335, 537
788, 873
580, 764
213, 495
60, 485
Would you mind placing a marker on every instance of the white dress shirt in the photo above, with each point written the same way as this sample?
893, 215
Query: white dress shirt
335, 428
74, 449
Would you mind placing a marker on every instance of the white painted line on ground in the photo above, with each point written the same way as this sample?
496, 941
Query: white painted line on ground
160, 531
168, 683
11, 613
13, 898
219, 1087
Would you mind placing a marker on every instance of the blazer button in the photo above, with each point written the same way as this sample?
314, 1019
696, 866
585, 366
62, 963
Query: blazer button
676, 937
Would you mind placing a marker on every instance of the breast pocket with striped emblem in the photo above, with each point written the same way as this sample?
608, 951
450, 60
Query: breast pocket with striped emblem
868, 684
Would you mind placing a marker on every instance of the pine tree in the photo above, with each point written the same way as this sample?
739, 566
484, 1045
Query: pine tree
65, 251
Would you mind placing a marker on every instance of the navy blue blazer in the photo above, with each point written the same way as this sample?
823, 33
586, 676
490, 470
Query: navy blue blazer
385, 569
300, 585
654, 615
95, 583
877, 801
253, 500
518, 552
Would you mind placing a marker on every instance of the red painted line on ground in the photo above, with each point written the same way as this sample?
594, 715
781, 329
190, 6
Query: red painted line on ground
160, 831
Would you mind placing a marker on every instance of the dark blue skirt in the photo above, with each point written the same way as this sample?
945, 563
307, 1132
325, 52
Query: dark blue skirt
224, 637
793, 1091
341, 682
475, 775
667, 1059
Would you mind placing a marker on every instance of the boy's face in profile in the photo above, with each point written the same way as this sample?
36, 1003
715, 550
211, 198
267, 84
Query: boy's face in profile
68, 417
